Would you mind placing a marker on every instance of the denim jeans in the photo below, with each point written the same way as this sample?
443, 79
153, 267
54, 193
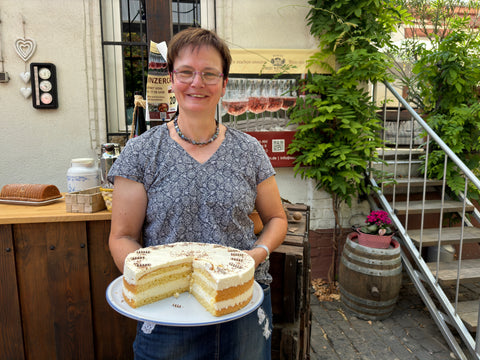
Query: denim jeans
247, 338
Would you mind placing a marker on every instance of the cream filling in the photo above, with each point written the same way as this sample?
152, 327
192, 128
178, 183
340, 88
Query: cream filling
166, 288
133, 277
224, 281
198, 291
163, 276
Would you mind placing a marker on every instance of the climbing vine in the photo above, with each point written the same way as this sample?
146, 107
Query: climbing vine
338, 128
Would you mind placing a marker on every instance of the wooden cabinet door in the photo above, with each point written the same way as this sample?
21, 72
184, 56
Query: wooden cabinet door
54, 288
114, 333
11, 337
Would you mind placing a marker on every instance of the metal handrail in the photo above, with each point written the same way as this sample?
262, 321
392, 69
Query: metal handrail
421, 273
433, 135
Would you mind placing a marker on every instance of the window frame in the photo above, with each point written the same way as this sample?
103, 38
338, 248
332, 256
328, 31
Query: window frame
157, 18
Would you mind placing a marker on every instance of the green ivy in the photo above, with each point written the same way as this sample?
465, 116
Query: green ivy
338, 128
337, 136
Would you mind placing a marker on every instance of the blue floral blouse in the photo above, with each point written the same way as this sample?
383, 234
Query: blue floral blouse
190, 201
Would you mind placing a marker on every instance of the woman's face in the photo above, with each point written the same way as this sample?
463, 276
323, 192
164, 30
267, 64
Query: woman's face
198, 96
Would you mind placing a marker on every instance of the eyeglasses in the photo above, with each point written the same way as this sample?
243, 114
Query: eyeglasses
187, 76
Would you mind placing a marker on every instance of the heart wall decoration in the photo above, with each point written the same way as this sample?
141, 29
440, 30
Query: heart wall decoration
25, 76
26, 92
25, 47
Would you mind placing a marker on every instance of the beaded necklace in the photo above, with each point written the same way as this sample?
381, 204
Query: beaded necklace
193, 142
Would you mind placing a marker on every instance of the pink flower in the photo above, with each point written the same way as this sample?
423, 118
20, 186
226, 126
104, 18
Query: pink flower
380, 218
378, 222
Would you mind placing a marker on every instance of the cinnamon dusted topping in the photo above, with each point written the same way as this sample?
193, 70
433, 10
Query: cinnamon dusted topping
143, 251
142, 265
220, 270
235, 265
137, 258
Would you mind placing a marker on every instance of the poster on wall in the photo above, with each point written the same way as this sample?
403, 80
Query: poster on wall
275, 144
161, 101
261, 90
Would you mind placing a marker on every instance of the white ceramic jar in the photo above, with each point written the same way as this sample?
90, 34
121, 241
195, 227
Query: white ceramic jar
82, 174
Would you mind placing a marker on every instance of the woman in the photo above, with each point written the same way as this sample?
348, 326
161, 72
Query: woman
194, 179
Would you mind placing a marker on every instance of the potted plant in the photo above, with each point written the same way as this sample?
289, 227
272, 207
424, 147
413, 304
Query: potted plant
377, 233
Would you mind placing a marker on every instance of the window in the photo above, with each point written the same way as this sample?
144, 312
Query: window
125, 52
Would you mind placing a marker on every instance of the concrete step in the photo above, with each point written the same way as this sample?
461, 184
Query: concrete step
417, 182
402, 168
399, 154
416, 185
468, 312
450, 236
447, 272
431, 207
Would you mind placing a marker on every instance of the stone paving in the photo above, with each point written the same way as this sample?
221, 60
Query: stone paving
409, 333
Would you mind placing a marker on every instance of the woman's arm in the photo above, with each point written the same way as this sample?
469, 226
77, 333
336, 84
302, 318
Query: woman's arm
129, 205
269, 206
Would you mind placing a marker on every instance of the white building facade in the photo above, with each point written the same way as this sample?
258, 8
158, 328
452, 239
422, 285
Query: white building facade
38, 144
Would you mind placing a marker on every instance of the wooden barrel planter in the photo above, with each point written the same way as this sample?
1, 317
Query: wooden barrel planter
370, 279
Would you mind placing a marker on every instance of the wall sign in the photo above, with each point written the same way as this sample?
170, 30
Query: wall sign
44, 85
276, 145
274, 61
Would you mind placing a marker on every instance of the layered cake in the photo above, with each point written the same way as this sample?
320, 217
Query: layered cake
220, 277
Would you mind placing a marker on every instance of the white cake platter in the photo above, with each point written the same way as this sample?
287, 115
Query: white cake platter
183, 310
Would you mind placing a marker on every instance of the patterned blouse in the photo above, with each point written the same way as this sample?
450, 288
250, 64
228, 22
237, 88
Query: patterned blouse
190, 201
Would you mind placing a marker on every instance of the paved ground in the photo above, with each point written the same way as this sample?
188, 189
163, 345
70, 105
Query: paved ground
409, 333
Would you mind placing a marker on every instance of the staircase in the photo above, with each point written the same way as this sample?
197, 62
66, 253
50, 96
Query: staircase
421, 210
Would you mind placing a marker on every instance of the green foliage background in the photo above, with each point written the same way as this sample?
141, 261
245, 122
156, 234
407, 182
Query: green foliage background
338, 128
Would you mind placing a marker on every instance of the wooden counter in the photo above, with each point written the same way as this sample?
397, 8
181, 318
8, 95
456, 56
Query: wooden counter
55, 212
54, 270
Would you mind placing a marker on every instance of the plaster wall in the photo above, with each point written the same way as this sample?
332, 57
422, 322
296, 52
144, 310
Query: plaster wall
37, 145
263, 24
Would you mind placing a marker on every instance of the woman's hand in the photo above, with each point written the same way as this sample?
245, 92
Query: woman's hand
258, 254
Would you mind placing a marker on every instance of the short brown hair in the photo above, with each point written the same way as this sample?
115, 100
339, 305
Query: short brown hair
197, 37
